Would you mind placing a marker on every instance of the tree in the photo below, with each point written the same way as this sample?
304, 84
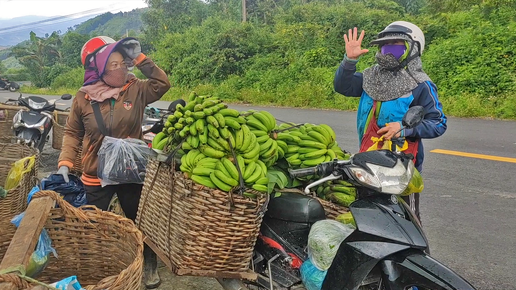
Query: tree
2, 68
38, 56
71, 48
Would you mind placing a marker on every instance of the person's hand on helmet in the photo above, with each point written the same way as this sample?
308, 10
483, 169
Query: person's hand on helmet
64, 170
132, 48
354, 44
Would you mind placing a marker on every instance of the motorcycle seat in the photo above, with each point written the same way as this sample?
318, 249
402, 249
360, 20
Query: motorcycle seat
294, 207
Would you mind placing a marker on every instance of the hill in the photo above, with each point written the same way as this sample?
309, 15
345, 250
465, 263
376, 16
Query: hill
16, 30
110, 24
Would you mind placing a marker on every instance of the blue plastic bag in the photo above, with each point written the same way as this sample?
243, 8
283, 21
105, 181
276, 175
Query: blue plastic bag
312, 277
69, 283
39, 258
72, 191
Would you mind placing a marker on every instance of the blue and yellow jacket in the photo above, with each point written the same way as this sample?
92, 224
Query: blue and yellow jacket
348, 82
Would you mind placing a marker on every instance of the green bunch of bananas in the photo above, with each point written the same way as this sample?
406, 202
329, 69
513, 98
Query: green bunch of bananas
338, 191
309, 144
262, 124
215, 139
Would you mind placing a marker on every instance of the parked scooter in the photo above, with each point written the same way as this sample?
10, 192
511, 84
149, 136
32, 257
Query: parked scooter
154, 120
7, 85
33, 127
387, 250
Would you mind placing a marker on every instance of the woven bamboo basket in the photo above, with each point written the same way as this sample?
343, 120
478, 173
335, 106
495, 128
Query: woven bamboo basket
331, 209
58, 129
7, 113
104, 250
16, 200
201, 231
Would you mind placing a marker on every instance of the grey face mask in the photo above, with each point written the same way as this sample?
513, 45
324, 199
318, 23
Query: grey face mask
387, 80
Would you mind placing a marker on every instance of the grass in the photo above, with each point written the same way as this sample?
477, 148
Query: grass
465, 106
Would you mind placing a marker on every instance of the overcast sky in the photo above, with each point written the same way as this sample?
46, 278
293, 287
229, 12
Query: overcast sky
16, 8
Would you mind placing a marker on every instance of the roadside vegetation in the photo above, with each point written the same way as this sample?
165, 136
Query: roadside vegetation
287, 51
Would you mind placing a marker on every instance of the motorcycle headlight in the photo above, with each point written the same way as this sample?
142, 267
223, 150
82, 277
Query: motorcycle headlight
384, 179
36, 105
146, 127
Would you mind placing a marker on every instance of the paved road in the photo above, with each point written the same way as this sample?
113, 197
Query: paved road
469, 204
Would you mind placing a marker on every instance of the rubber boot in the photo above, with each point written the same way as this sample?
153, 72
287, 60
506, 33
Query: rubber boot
150, 269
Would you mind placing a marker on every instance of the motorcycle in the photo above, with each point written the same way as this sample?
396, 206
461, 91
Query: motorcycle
32, 127
7, 85
154, 120
386, 251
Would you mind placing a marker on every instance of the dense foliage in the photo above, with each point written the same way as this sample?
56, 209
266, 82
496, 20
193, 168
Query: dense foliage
288, 50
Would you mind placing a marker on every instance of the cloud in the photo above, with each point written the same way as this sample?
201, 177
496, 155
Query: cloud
18, 8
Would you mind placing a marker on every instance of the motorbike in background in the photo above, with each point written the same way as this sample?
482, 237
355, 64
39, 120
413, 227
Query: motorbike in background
154, 120
32, 127
7, 85
387, 250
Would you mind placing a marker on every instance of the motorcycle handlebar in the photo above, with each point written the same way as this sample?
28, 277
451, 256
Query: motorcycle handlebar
303, 172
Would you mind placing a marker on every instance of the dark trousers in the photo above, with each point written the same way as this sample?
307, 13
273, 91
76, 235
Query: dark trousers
128, 195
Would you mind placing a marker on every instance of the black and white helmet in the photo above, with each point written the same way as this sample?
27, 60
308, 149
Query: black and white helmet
397, 30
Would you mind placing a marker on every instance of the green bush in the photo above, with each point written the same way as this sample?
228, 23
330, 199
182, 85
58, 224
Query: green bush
72, 79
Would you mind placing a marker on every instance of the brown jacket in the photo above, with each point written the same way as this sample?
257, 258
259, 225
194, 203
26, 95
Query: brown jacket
81, 127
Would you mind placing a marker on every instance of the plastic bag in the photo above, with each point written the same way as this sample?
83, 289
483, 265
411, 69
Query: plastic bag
312, 277
69, 283
39, 258
387, 144
72, 191
415, 185
18, 169
122, 161
324, 240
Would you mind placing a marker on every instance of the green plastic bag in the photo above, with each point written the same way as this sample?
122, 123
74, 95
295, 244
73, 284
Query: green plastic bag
416, 184
17, 171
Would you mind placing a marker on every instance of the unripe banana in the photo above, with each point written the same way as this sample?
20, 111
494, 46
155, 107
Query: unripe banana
203, 180
313, 144
226, 179
230, 167
220, 120
319, 137
314, 162
211, 152
251, 167
255, 176
219, 183
232, 123
229, 112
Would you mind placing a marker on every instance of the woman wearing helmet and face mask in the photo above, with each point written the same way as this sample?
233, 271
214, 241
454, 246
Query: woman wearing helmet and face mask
121, 99
389, 88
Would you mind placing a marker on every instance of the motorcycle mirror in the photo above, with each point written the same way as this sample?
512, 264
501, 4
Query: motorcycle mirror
157, 127
413, 117
66, 97
172, 106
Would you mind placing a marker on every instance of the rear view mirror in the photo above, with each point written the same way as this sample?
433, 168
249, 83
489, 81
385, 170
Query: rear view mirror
66, 97
172, 106
413, 117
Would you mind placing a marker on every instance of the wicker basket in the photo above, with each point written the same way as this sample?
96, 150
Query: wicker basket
7, 113
58, 129
201, 231
16, 200
331, 209
104, 250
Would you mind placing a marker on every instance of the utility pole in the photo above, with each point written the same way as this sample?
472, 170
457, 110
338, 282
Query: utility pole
244, 11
